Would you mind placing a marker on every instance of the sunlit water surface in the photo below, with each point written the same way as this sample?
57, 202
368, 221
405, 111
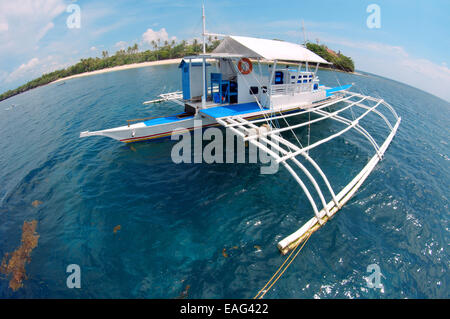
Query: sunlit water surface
210, 231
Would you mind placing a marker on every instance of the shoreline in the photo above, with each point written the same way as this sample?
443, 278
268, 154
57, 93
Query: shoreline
152, 63
119, 68
141, 65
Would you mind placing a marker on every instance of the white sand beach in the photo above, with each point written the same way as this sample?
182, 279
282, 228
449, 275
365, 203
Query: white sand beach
121, 67
144, 64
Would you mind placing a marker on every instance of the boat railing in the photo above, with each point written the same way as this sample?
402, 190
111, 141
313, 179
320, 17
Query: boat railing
290, 89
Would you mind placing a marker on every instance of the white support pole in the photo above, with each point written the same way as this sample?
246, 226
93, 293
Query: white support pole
299, 84
204, 63
344, 195
301, 111
309, 122
358, 128
284, 152
259, 67
314, 164
272, 75
294, 175
215, 34
350, 126
304, 34
303, 168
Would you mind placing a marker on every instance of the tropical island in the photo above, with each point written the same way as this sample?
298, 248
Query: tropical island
166, 51
340, 61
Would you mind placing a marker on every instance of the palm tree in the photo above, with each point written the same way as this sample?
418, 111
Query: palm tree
196, 46
135, 48
155, 46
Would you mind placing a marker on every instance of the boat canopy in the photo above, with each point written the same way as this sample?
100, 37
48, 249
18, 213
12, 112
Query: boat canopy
267, 49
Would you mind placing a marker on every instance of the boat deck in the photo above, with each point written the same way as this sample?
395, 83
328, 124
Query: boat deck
231, 110
167, 119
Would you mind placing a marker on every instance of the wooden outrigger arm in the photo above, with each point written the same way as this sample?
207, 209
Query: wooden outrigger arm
283, 151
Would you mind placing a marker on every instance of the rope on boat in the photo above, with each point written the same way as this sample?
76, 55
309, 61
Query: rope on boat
256, 98
272, 281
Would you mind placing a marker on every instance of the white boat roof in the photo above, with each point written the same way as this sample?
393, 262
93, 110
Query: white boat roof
267, 49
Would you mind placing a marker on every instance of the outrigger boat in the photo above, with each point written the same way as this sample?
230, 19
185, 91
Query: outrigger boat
239, 96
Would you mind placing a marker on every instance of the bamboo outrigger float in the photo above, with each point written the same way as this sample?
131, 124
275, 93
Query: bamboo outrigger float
239, 98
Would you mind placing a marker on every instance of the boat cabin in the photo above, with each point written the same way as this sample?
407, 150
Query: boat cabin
247, 70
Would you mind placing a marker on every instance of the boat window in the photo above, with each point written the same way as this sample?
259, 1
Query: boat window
253, 90
278, 77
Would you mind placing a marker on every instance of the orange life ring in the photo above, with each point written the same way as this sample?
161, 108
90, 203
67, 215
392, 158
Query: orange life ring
245, 66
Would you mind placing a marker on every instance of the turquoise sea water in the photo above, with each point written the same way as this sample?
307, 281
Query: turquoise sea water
176, 220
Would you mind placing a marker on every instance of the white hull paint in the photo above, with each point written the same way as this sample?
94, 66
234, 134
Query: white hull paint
141, 132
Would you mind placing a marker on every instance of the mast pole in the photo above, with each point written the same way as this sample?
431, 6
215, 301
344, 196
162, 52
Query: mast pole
204, 52
304, 33
204, 28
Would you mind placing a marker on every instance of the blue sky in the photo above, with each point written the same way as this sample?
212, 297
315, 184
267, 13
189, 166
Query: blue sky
412, 45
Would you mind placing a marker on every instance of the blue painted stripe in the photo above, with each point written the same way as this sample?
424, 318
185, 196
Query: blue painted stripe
337, 89
165, 120
230, 110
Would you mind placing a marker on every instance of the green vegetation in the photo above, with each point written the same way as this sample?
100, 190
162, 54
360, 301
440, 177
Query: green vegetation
339, 60
169, 50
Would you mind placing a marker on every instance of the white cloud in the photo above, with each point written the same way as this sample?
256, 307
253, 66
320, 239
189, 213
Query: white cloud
23, 23
35, 67
44, 30
21, 8
151, 35
4, 26
22, 70
93, 49
396, 63
3, 75
121, 45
